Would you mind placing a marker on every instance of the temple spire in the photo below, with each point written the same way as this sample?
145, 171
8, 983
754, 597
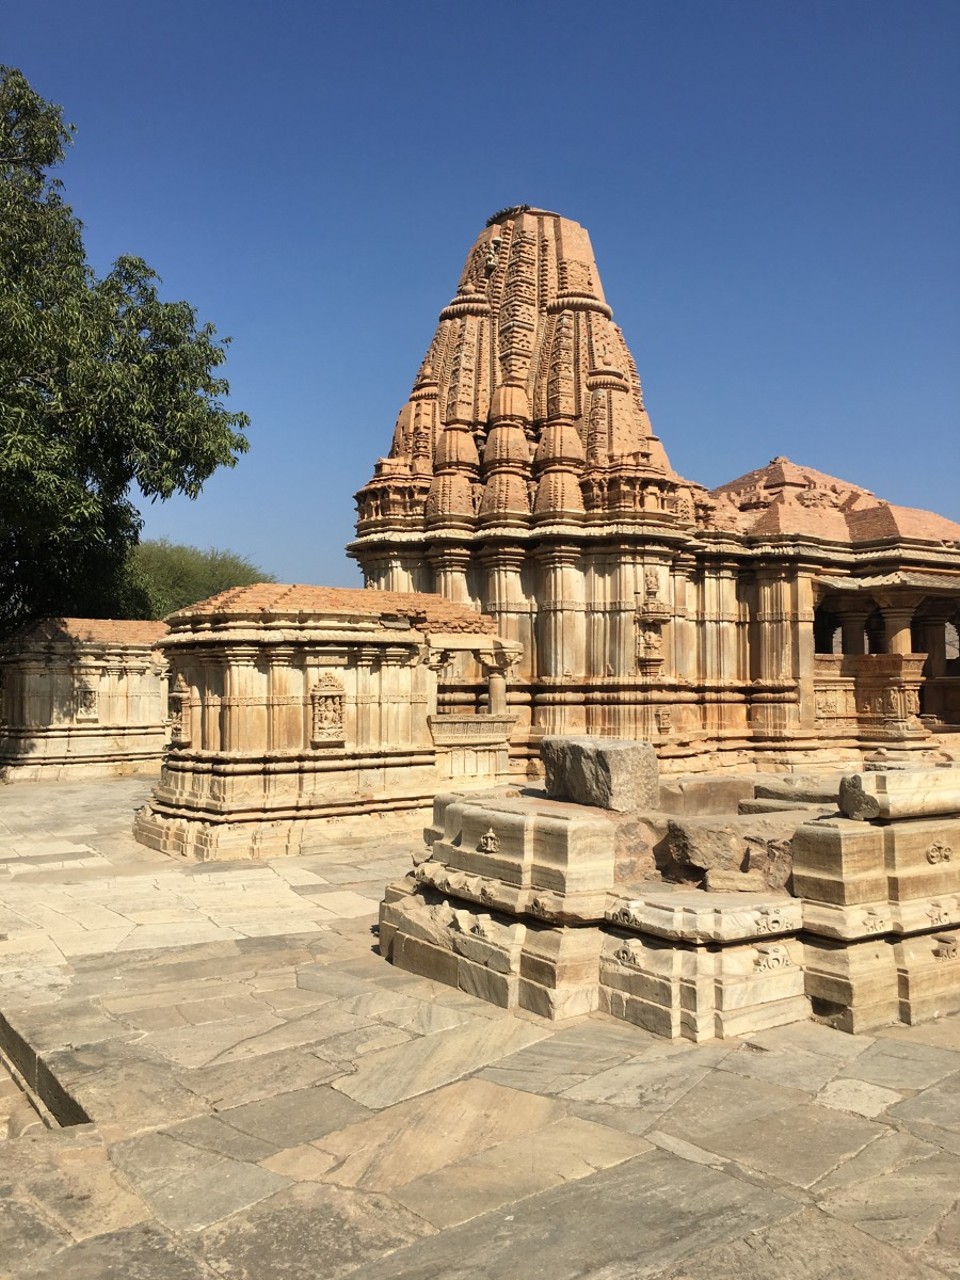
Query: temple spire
527, 382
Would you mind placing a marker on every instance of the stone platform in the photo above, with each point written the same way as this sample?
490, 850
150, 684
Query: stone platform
269, 1100
740, 922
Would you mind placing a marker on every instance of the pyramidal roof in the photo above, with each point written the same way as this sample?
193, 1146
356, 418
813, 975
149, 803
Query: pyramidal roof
784, 498
527, 407
282, 602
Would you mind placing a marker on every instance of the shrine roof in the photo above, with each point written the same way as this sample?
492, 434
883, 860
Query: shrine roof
426, 612
95, 630
784, 498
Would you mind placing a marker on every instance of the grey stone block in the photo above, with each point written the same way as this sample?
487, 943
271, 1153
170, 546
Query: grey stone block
609, 773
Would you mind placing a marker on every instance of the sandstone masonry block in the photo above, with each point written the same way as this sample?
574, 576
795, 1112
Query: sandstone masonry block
609, 773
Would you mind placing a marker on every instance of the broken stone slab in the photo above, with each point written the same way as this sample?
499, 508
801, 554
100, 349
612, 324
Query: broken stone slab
769, 805
698, 796
695, 847
801, 788
608, 773
883, 797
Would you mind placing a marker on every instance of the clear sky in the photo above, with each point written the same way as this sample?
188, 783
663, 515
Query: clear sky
772, 188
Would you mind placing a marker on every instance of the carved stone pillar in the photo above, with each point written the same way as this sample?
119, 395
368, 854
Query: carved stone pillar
284, 716
505, 599
684, 631
897, 620
496, 664
935, 647
243, 719
853, 617
562, 609
368, 698
619, 607
785, 637
561, 637
450, 565
213, 684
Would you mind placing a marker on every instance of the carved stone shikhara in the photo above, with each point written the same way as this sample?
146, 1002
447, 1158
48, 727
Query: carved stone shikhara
82, 697
524, 476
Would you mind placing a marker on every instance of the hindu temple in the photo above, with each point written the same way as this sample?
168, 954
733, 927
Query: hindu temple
782, 618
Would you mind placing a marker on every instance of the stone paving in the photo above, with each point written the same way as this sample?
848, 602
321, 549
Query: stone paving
269, 1100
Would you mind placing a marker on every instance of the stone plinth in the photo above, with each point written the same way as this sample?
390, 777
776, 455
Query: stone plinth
291, 705
699, 993
881, 899
518, 900
607, 773
82, 697
868, 935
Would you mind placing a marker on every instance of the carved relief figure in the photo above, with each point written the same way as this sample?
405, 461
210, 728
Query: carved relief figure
87, 697
326, 699
179, 712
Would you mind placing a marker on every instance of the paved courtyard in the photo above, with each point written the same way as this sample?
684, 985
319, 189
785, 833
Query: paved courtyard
269, 1100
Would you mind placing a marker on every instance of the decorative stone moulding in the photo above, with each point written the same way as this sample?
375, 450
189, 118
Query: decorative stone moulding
291, 705
82, 697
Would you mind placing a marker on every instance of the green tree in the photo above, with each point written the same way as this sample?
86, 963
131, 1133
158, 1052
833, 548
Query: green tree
172, 575
102, 387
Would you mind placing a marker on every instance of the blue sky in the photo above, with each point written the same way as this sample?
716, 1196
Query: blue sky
772, 190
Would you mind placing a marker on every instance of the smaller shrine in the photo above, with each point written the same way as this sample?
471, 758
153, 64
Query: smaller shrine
82, 697
292, 705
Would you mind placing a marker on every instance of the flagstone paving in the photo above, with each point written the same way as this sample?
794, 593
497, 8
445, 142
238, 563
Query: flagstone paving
269, 1100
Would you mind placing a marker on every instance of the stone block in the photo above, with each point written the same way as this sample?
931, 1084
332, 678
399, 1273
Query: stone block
701, 993
523, 855
798, 788
701, 796
928, 975
883, 796
694, 847
608, 773
837, 860
922, 858
852, 986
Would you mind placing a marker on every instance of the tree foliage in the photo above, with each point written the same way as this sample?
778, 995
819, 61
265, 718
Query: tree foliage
173, 575
102, 386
